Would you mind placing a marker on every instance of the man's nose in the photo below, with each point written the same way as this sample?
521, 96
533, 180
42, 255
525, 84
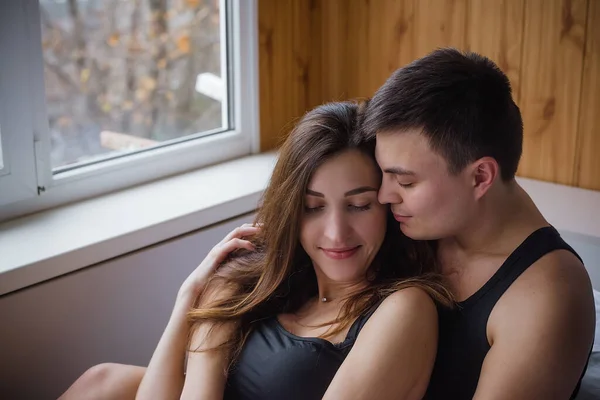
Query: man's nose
388, 192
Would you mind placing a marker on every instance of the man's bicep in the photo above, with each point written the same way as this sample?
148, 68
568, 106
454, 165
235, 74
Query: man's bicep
540, 346
523, 370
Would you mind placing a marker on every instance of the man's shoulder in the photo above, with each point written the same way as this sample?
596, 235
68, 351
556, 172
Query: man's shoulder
554, 273
543, 327
551, 289
557, 271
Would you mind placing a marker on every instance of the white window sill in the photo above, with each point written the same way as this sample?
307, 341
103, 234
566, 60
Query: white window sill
55, 242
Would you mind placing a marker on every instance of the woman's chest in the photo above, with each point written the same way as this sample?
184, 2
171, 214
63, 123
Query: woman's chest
276, 365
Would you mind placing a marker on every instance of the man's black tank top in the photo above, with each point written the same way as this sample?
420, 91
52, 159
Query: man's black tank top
276, 364
463, 342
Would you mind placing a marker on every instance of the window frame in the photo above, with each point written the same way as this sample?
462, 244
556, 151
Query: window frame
18, 175
3, 170
41, 190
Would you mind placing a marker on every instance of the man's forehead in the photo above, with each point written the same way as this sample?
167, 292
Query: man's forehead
402, 135
409, 150
401, 144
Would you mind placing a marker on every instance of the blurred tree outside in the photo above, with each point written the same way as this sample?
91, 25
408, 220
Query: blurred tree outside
122, 74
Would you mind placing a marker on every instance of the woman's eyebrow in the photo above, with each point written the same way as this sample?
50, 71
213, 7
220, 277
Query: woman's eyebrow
313, 193
352, 192
360, 190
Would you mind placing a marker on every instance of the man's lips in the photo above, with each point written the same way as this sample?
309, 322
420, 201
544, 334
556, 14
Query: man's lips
401, 218
340, 253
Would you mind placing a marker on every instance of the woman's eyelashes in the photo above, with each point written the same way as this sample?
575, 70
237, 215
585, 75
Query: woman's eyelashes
350, 207
312, 210
360, 208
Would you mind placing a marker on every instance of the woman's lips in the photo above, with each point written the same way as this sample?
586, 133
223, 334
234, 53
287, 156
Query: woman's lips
340, 253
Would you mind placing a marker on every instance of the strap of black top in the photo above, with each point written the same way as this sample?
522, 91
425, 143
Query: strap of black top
360, 322
534, 247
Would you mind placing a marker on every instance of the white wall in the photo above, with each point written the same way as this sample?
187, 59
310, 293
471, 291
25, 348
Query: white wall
114, 311
588, 248
575, 212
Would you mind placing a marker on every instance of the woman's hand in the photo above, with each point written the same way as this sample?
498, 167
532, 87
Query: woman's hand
165, 377
195, 283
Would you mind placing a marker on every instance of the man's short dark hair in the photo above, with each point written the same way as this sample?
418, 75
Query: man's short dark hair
461, 101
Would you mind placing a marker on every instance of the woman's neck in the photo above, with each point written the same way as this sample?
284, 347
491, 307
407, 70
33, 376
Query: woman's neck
331, 291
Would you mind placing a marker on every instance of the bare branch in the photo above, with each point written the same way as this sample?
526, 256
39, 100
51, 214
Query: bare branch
60, 74
47, 21
79, 39
159, 30
130, 63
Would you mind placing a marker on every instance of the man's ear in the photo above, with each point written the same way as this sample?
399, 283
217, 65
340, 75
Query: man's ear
484, 172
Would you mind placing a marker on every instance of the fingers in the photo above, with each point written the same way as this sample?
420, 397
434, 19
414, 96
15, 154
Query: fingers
224, 249
240, 232
236, 243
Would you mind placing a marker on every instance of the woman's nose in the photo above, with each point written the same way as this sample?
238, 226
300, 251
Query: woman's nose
337, 228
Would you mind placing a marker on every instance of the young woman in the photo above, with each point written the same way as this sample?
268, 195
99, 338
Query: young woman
318, 300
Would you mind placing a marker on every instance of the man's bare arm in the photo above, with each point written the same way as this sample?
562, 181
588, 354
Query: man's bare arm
541, 332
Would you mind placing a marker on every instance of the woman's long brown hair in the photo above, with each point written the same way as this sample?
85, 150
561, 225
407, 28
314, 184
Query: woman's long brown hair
279, 277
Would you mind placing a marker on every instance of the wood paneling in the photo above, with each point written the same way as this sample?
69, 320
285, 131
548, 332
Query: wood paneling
588, 155
284, 56
330, 44
387, 34
440, 23
314, 51
495, 30
551, 70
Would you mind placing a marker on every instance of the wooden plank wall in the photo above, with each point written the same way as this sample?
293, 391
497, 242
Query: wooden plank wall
313, 51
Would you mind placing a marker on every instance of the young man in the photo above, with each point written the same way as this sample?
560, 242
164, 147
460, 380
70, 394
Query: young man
449, 139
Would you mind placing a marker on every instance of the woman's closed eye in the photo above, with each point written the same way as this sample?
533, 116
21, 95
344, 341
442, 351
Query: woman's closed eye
351, 207
355, 207
312, 210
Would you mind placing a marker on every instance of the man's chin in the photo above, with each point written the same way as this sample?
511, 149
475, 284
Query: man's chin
416, 234
408, 232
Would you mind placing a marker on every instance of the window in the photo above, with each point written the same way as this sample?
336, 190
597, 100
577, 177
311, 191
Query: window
125, 75
118, 92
